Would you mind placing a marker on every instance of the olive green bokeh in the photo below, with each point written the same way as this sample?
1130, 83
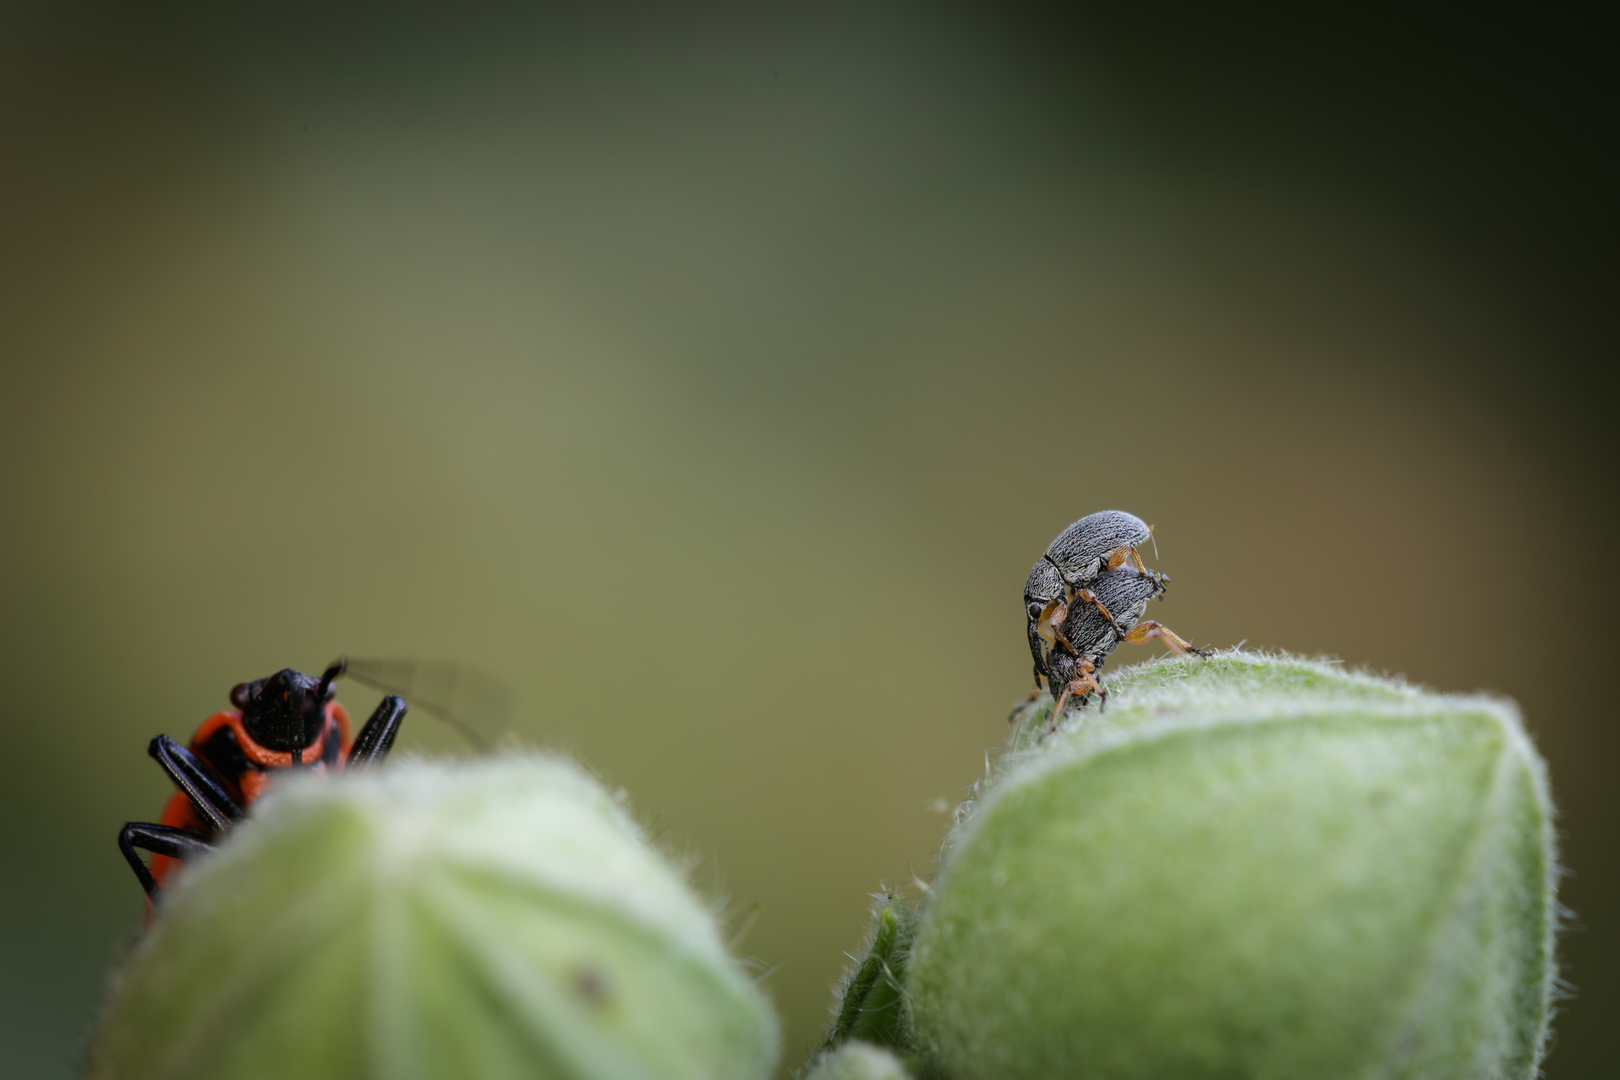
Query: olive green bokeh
712, 377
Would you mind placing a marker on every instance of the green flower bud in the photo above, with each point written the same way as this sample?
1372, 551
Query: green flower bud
1248, 866
870, 995
858, 1061
499, 919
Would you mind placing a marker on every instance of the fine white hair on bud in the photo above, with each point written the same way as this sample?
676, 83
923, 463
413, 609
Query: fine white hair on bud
1248, 866
477, 921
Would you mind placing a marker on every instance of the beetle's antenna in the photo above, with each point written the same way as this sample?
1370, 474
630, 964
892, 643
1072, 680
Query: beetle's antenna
323, 693
1155, 542
442, 711
333, 672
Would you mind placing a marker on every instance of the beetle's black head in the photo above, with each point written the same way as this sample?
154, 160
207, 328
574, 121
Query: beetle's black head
286, 711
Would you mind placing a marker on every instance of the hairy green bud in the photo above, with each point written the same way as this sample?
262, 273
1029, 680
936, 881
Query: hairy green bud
871, 1003
1248, 866
490, 920
858, 1061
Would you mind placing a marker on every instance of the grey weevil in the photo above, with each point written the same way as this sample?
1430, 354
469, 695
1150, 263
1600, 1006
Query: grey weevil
1096, 543
1088, 632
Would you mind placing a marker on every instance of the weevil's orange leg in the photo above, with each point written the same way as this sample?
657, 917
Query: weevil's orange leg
1082, 684
1148, 628
1055, 613
1021, 711
1137, 556
1128, 551
1117, 557
1057, 710
1091, 598
1051, 618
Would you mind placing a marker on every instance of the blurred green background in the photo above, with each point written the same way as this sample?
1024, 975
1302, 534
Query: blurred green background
714, 373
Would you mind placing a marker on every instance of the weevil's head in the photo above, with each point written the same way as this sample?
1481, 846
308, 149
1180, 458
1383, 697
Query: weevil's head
1044, 587
286, 711
1061, 667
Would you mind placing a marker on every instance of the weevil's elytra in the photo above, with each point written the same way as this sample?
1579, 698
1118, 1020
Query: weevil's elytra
286, 721
1119, 599
1094, 628
1092, 545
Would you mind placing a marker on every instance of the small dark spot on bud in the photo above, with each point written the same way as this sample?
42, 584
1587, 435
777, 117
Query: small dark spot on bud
591, 984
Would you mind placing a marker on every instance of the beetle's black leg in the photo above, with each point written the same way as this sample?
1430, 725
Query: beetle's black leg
159, 840
1148, 628
332, 748
377, 737
194, 776
323, 694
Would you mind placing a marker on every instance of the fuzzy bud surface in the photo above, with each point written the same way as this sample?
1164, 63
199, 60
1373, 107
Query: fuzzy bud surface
479, 921
1248, 866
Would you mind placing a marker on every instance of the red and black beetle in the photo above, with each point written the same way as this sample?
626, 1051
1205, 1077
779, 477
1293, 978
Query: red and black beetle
286, 721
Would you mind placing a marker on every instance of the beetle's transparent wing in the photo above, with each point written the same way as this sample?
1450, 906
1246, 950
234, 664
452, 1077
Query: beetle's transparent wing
467, 698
